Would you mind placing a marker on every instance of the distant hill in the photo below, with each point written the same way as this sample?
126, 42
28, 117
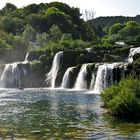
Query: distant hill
108, 21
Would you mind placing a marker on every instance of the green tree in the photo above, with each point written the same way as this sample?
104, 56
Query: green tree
114, 29
99, 31
73, 12
8, 8
32, 8
29, 34
127, 32
131, 29
4, 45
42, 39
34, 21
54, 17
8, 25
55, 33
66, 37
137, 38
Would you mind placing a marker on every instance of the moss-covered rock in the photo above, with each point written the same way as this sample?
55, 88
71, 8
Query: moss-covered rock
111, 58
68, 60
34, 55
73, 75
39, 73
90, 69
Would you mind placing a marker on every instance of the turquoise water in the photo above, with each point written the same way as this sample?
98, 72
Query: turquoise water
45, 114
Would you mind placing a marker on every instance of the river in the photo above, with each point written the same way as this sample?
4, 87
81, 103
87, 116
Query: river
50, 114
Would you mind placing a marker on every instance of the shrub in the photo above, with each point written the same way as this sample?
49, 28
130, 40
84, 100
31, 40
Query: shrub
123, 99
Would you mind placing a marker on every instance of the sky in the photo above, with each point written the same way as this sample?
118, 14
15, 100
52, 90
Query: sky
101, 7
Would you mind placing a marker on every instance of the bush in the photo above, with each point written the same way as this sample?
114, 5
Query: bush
123, 99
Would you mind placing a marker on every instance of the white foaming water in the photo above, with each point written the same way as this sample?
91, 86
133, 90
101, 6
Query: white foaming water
92, 80
11, 75
104, 77
55, 68
26, 58
65, 80
81, 81
132, 52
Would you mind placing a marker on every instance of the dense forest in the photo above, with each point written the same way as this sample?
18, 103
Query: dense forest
117, 28
57, 26
54, 26
109, 21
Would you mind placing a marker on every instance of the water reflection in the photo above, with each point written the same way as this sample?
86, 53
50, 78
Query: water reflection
58, 114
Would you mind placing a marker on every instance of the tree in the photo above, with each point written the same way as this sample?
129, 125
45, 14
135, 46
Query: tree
55, 33
73, 12
127, 32
114, 29
99, 31
42, 39
29, 34
66, 37
8, 8
4, 45
55, 17
8, 25
88, 14
32, 8
130, 30
34, 21
11, 25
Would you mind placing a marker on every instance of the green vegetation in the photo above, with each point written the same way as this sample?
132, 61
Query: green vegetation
123, 99
56, 26
128, 32
109, 21
109, 30
51, 27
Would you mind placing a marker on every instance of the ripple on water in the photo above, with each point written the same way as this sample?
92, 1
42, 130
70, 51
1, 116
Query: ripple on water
58, 114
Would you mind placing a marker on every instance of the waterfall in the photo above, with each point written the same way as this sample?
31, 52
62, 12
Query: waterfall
92, 81
66, 78
104, 76
26, 58
11, 76
81, 81
132, 52
13, 73
52, 75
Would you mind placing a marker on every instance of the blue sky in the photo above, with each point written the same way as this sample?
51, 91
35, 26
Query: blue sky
101, 7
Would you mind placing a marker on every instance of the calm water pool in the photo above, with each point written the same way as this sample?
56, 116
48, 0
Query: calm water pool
45, 114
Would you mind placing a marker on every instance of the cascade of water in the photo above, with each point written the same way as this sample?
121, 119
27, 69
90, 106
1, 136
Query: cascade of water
65, 80
92, 80
104, 77
81, 81
52, 75
132, 52
26, 58
12, 73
